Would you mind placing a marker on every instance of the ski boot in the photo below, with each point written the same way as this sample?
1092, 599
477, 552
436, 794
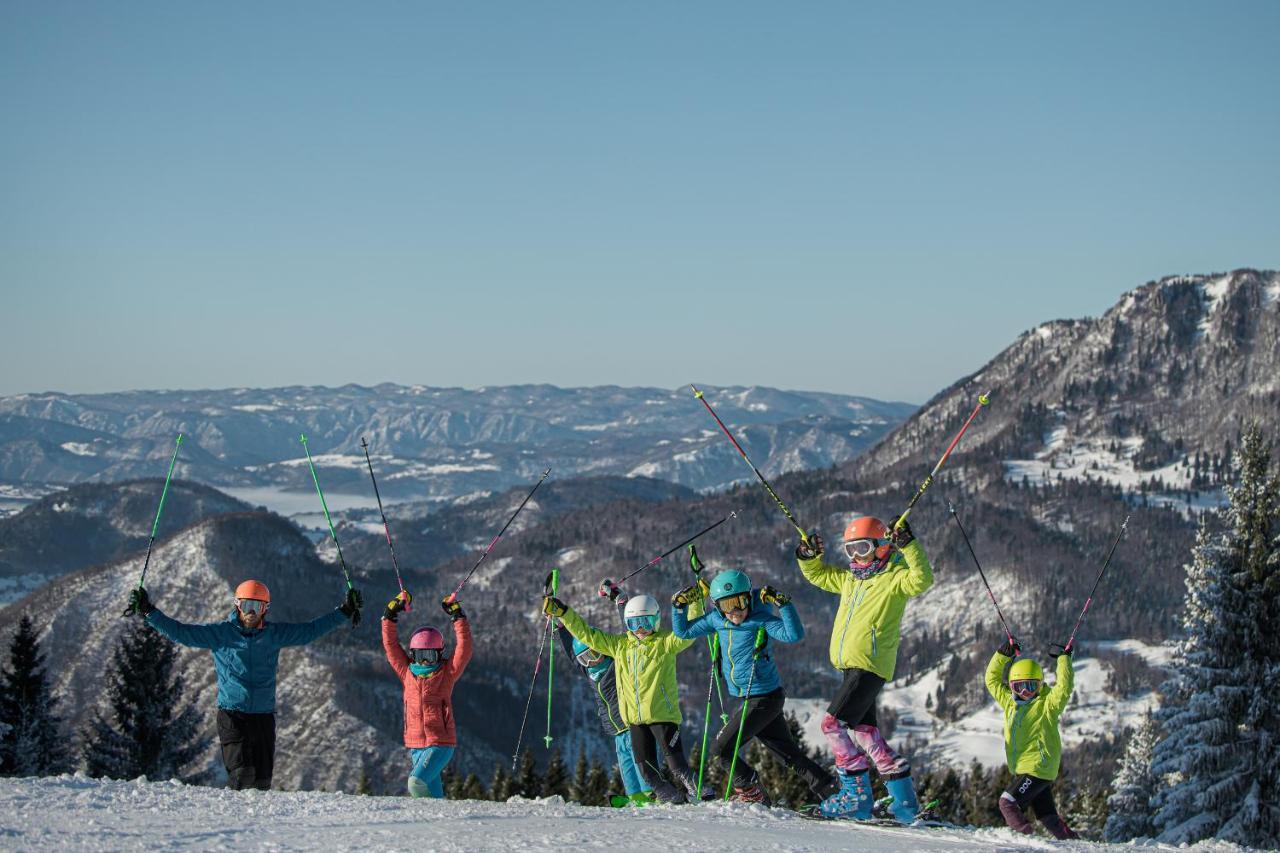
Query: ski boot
1058, 827
853, 800
751, 793
905, 806
1014, 816
690, 784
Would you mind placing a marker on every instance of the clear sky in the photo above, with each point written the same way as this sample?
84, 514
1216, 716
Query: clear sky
870, 198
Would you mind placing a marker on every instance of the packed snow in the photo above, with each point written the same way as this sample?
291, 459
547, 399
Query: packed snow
78, 813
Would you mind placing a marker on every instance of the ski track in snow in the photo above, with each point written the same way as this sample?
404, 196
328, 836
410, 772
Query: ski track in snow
78, 813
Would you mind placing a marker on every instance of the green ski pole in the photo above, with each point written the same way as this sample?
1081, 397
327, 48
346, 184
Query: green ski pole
712, 643
333, 533
155, 525
553, 584
746, 703
696, 564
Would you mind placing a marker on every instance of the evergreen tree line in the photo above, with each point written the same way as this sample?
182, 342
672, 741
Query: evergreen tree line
140, 728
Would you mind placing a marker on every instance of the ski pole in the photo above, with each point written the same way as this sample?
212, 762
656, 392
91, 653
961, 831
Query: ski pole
453, 595
696, 564
385, 526
768, 488
553, 582
1107, 562
746, 703
666, 554
155, 525
712, 642
981, 574
983, 399
333, 533
537, 666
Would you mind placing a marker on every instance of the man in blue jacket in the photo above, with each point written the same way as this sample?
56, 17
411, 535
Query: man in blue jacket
746, 624
246, 652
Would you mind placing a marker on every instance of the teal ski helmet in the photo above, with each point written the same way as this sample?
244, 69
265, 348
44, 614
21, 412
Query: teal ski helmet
729, 582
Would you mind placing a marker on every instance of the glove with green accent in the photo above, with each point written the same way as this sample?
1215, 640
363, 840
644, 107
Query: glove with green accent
900, 533
686, 596
139, 602
397, 605
769, 595
812, 548
351, 605
453, 608
553, 606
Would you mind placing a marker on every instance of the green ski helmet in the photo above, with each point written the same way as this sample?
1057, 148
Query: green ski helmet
1025, 678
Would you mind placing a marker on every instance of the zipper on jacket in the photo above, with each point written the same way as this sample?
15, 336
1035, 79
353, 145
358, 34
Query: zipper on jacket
857, 599
874, 643
729, 655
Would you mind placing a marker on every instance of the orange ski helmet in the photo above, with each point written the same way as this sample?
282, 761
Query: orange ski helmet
868, 527
255, 590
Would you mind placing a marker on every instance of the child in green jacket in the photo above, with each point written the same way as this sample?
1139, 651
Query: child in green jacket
644, 661
1032, 745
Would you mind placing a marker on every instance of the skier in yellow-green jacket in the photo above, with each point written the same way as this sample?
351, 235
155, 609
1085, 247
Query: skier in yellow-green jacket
648, 693
1032, 745
887, 566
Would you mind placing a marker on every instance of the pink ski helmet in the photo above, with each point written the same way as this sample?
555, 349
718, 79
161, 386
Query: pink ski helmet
426, 638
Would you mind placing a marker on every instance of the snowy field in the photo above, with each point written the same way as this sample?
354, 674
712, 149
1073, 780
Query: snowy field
77, 813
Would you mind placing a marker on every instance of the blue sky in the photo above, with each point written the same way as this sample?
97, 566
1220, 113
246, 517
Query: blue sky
855, 197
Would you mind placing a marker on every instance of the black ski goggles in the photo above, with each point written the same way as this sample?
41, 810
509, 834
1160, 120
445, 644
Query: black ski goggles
427, 656
728, 604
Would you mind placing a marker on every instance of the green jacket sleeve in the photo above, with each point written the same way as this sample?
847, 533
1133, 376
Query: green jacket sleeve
674, 643
609, 644
1060, 695
919, 574
995, 681
822, 575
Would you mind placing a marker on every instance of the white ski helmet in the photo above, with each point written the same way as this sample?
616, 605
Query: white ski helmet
643, 605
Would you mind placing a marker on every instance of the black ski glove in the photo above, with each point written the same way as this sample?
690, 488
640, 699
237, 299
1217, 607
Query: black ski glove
139, 603
769, 595
351, 605
397, 605
900, 534
1010, 649
553, 606
453, 608
613, 592
814, 548
1057, 650
685, 597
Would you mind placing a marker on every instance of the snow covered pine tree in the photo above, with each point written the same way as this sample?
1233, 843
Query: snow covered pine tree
31, 743
1219, 761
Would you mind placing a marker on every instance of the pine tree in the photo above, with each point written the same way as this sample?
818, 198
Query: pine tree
596, 791
555, 782
528, 785
578, 787
1220, 758
31, 743
364, 787
473, 788
501, 788
143, 728
1130, 804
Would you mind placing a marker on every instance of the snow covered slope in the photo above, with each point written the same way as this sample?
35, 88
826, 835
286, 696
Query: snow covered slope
76, 813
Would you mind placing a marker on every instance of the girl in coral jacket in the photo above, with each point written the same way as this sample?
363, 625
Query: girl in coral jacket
428, 676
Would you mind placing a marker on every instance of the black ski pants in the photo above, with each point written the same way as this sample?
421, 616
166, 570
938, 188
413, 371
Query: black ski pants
645, 738
1032, 791
765, 721
855, 703
248, 748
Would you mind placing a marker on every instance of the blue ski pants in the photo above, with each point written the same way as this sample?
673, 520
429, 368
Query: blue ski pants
632, 783
428, 764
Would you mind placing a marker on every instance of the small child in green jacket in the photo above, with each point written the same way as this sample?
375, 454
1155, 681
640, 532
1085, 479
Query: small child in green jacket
1032, 745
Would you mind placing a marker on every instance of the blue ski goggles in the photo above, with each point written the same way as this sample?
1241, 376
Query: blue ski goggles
1025, 689
642, 623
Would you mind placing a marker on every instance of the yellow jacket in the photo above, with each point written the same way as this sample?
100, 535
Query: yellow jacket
867, 628
1032, 744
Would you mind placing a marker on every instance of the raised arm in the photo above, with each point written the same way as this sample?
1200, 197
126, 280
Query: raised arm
302, 633
461, 646
696, 609
919, 574
396, 655
687, 629
995, 681
1060, 694
211, 636
609, 644
785, 627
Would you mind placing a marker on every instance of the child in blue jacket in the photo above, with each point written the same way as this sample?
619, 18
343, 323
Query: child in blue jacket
746, 625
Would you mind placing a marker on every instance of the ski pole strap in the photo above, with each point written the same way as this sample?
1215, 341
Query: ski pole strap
332, 533
983, 400
454, 595
386, 527
768, 488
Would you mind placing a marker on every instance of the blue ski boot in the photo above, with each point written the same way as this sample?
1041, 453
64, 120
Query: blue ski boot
905, 806
853, 800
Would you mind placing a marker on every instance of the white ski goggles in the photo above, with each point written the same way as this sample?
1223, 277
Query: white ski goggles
589, 657
860, 549
251, 605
